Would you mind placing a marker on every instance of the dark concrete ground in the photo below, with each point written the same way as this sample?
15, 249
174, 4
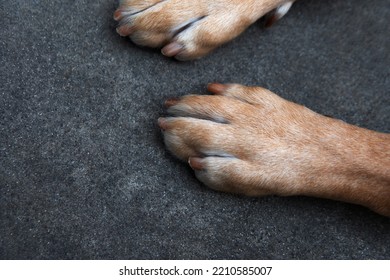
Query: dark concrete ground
83, 170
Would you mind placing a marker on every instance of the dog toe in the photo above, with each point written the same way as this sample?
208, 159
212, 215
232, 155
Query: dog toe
186, 137
227, 174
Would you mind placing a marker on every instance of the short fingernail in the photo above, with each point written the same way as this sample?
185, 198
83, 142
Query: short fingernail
170, 102
172, 49
216, 88
196, 163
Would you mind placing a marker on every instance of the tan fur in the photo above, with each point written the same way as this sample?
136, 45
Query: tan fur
157, 23
248, 140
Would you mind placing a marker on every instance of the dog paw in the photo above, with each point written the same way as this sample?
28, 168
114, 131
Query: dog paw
247, 140
188, 29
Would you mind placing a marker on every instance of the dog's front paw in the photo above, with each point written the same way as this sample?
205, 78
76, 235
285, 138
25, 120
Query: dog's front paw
248, 140
188, 29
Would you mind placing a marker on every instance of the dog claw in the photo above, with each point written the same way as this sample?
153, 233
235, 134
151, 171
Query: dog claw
162, 123
171, 102
172, 49
270, 20
278, 13
125, 30
195, 163
216, 88
118, 15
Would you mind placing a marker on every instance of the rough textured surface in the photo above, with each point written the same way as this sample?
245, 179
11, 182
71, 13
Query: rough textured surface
83, 171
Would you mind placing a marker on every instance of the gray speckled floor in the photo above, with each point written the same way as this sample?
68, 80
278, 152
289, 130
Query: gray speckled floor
83, 171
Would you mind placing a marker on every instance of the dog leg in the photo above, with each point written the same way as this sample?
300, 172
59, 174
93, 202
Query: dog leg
248, 140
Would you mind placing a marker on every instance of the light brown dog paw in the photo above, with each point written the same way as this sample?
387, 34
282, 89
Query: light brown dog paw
188, 29
249, 140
